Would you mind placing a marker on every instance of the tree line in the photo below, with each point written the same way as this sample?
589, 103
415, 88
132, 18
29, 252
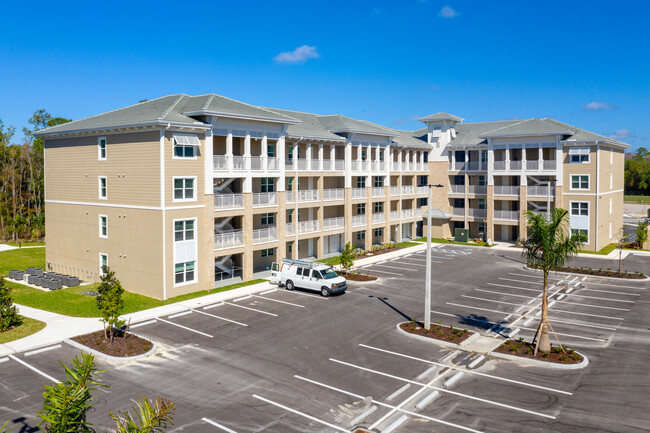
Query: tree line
637, 173
22, 192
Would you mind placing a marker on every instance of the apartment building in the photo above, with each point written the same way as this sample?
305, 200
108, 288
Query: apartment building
186, 193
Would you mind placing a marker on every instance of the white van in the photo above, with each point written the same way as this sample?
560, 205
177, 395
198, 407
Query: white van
307, 275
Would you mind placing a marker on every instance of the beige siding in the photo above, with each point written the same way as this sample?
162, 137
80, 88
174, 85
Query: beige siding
132, 169
184, 168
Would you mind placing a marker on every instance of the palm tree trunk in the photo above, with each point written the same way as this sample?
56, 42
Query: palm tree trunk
544, 341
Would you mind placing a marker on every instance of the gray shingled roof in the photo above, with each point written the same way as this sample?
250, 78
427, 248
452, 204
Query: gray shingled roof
440, 116
343, 124
309, 126
583, 135
412, 138
528, 127
220, 105
469, 134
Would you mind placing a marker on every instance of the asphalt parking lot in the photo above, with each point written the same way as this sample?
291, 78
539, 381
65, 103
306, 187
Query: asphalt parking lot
285, 361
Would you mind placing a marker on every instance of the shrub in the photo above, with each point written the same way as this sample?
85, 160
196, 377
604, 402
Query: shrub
8, 312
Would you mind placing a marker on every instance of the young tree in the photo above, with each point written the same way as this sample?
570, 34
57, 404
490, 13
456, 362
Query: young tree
8, 313
150, 417
548, 245
109, 301
641, 233
66, 404
347, 257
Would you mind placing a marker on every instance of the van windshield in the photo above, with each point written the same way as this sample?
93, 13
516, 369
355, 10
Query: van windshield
329, 273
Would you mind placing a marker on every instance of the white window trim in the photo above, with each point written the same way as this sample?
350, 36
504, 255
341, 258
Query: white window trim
611, 156
571, 188
101, 273
99, 149
183, 200
578, 149
196, 262
195, 150
175, 220
580, 201
186, 283
99, 187
100, 227
611, 181
611, 201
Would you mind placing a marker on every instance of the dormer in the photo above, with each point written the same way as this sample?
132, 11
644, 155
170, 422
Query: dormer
441, 128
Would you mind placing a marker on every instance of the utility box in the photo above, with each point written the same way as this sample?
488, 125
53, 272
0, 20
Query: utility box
461, 235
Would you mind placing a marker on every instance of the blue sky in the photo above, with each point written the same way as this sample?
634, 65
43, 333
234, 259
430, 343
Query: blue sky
584, 63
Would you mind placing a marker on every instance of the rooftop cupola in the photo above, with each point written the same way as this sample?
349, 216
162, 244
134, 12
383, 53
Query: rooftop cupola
441, 128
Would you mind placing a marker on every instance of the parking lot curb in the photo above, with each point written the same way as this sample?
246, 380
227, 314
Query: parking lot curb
109, 357
647, 278
583, 364
431, 340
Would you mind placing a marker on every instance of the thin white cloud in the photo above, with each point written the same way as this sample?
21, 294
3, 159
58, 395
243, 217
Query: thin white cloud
299, 55
621, 134
434, 87
598, 106
447, 12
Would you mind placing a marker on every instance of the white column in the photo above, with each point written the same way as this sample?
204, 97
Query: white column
540, 157
209, 164
229, 151
400, 156
523, 156
348, 164
453, 159
320, 157
466, 166
248, 180
281, 155
333, 156
507, 157
308, 156
264, 151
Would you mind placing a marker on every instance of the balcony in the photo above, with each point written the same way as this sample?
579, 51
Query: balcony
516, 165
358, 220
272, 163
408, 213
456, 189
458, 166
228, 201
238, 163
378, 217
394, 190
265, 235
506, 189
394, 215
418, 212
228, 239
339, 164
508, 215
477, 189
378, 192
422, 190
499, 165
540, 191
334, 223
532, 165
550, 164
408, 190
310, 226
358, 193
256, 163
476, 213
305, 195
458, 211
397, 166
333, 194
265, 199
472, 165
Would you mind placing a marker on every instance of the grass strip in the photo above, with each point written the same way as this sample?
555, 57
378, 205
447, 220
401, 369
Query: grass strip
27, 328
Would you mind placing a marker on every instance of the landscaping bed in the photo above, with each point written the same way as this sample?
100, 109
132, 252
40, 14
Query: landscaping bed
437, 332
121, 347
524, 349
354, 276
602, 272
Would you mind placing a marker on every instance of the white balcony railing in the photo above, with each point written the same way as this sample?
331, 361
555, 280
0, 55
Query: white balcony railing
540, 191
376, 165
458, 211
272, 163
358, 220
394, 190
219, 163
378, 191
509, 215
355, 165
333, 194
406, 190
238, 163
265, 235
515, 165
458, 166
265, 198
472, 165
476, 213
310, 226
477, 189
256, 163
228, 239
408, 213
327, 165
418, 212
339, 164
422, 190
378, 217
303, 164
457, 189
334, 223
532, 165
394, 215
358, 193
228, 201
396, 166
506, 190
549, 164
499, 165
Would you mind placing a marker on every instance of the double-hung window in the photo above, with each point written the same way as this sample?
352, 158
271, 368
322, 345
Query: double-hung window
103, 187
184, 251
578, 155
267, 184
378, 206
103, 226
184, 272
379, 232
103, 262
361, 208
378, 181
580, 208
424, 180
579, 181
481, 203
361, 235
270, 150
183, 230
185, 145
363, 155
267, 219
184, 189
361, 181
481, 181
101, 148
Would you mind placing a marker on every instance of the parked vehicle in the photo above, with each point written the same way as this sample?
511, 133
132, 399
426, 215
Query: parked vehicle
307, 275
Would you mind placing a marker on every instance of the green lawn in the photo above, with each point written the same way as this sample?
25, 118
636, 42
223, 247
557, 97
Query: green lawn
71, 302
636, 199
21, 259
28, 327
603, 251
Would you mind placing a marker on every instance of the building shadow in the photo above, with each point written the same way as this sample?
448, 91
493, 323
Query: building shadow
482, 322
397, 310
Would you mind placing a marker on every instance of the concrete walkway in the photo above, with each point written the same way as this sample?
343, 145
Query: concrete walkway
6, 247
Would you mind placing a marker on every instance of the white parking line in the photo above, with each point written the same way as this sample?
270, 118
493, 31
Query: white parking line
294, 292
611, 291
559, 299
304, 415
469, 372
502, 293
224, 428
277, 300
570, 335
555, 310
185, 327
266, 292
401, 268
418, 415
137, 325
242, 298
582, 280
219, 317
184, 313
45, 349
433, 257
45, 375
515, 287
603, 299
477, 308
386, 272
252, 309
418, 262
5, 359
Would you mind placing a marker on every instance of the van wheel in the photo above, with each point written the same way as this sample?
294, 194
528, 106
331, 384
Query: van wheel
324, 291
289, 285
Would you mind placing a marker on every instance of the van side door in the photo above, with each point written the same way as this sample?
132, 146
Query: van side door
316, 280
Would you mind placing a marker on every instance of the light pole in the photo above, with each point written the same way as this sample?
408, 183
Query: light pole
427, 285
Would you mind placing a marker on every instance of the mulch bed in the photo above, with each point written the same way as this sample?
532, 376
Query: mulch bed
132, 345
603, 273
525, 350
437, 332
353, 276
378, 253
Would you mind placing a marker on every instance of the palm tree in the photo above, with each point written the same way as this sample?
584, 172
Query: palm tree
548, 245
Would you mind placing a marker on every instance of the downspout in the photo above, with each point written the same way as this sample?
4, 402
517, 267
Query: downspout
597, 191
162, 207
